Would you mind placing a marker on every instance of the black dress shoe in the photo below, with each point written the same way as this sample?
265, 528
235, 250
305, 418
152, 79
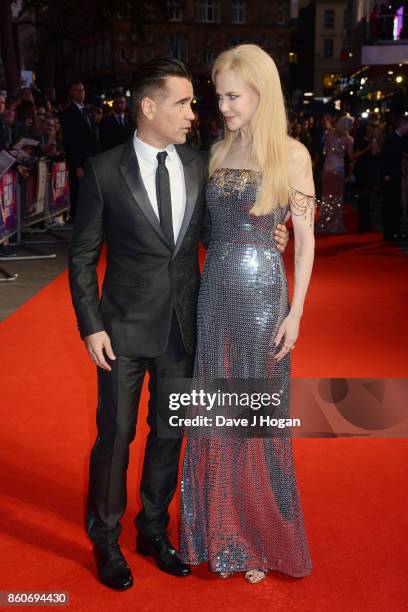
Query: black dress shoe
163, 553
113, 570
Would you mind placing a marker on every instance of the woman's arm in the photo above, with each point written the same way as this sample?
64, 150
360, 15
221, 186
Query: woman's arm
302, 204
350, 147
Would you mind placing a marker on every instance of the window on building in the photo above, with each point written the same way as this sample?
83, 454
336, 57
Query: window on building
66, 47
239, 12
99, 54
76, 61
107, 53
175, 10
207, 57
148, 38
238, 40
329, 18
125, 9
178, 48
132, 55
148, 54
345, 18
281, 12
263, 41
82, 62
281, 56
208, 11
91, 57
151, 10
120, 55
328, 47
207, 39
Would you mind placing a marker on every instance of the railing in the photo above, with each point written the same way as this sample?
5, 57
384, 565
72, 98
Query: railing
27, 201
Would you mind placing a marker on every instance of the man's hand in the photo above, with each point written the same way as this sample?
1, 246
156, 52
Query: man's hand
79, 172
281, 236
96, 344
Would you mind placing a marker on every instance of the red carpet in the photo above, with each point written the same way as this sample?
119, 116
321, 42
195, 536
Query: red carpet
353, 491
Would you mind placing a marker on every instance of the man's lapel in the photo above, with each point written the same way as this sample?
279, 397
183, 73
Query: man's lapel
129, 168
130, 171
84, 116
191, 182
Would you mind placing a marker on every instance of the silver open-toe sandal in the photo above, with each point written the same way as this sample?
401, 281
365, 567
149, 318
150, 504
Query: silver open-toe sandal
255, 575
224, 574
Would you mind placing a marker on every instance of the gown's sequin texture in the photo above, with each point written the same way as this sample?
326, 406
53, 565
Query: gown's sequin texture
240, 505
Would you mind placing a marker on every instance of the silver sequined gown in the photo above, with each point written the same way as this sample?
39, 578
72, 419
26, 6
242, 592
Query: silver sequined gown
240, 505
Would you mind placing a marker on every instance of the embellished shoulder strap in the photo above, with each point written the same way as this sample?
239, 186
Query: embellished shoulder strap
302, 204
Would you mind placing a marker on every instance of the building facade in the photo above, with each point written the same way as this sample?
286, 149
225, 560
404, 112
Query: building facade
376, 64
331, 20
194, 31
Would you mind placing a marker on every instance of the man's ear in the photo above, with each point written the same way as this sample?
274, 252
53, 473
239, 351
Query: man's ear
148, 108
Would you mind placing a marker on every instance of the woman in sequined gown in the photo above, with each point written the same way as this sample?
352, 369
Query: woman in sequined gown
337, 148
240, 505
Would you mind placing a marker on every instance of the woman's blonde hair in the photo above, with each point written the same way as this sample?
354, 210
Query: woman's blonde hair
344, 124
269, 124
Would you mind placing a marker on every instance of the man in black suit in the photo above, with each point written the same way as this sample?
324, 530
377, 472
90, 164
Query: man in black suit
116, 128
146, 199
79, 139
395, 145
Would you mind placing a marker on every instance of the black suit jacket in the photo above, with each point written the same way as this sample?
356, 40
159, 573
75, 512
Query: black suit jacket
392, 153
111, 134
79, 136
144, 278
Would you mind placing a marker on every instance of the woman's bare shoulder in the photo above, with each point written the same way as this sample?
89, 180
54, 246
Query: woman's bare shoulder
298, 156
300, 173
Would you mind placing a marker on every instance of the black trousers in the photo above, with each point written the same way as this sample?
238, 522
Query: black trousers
363, 205
118, 400
73, 191
392, 207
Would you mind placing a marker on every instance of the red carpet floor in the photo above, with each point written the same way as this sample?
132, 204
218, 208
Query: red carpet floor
354, 491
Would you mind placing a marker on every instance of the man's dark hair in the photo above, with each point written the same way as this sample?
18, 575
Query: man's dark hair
118, 93
74, 82
151, 78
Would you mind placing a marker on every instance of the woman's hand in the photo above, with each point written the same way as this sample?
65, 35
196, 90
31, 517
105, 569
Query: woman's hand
289, 331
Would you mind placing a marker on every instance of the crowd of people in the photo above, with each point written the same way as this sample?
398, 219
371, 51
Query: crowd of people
362, 157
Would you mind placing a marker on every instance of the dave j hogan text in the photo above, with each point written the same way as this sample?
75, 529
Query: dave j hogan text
222, 421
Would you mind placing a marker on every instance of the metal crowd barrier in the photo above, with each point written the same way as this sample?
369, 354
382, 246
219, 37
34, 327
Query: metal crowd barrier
35, 200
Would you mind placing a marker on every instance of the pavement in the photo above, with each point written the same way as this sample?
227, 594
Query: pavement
32, 274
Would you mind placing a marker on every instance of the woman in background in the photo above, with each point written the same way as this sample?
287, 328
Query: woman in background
337, 150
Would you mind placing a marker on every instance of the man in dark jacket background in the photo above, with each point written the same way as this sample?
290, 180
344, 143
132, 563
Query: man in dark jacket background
395, 146
79, 139
116, 128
